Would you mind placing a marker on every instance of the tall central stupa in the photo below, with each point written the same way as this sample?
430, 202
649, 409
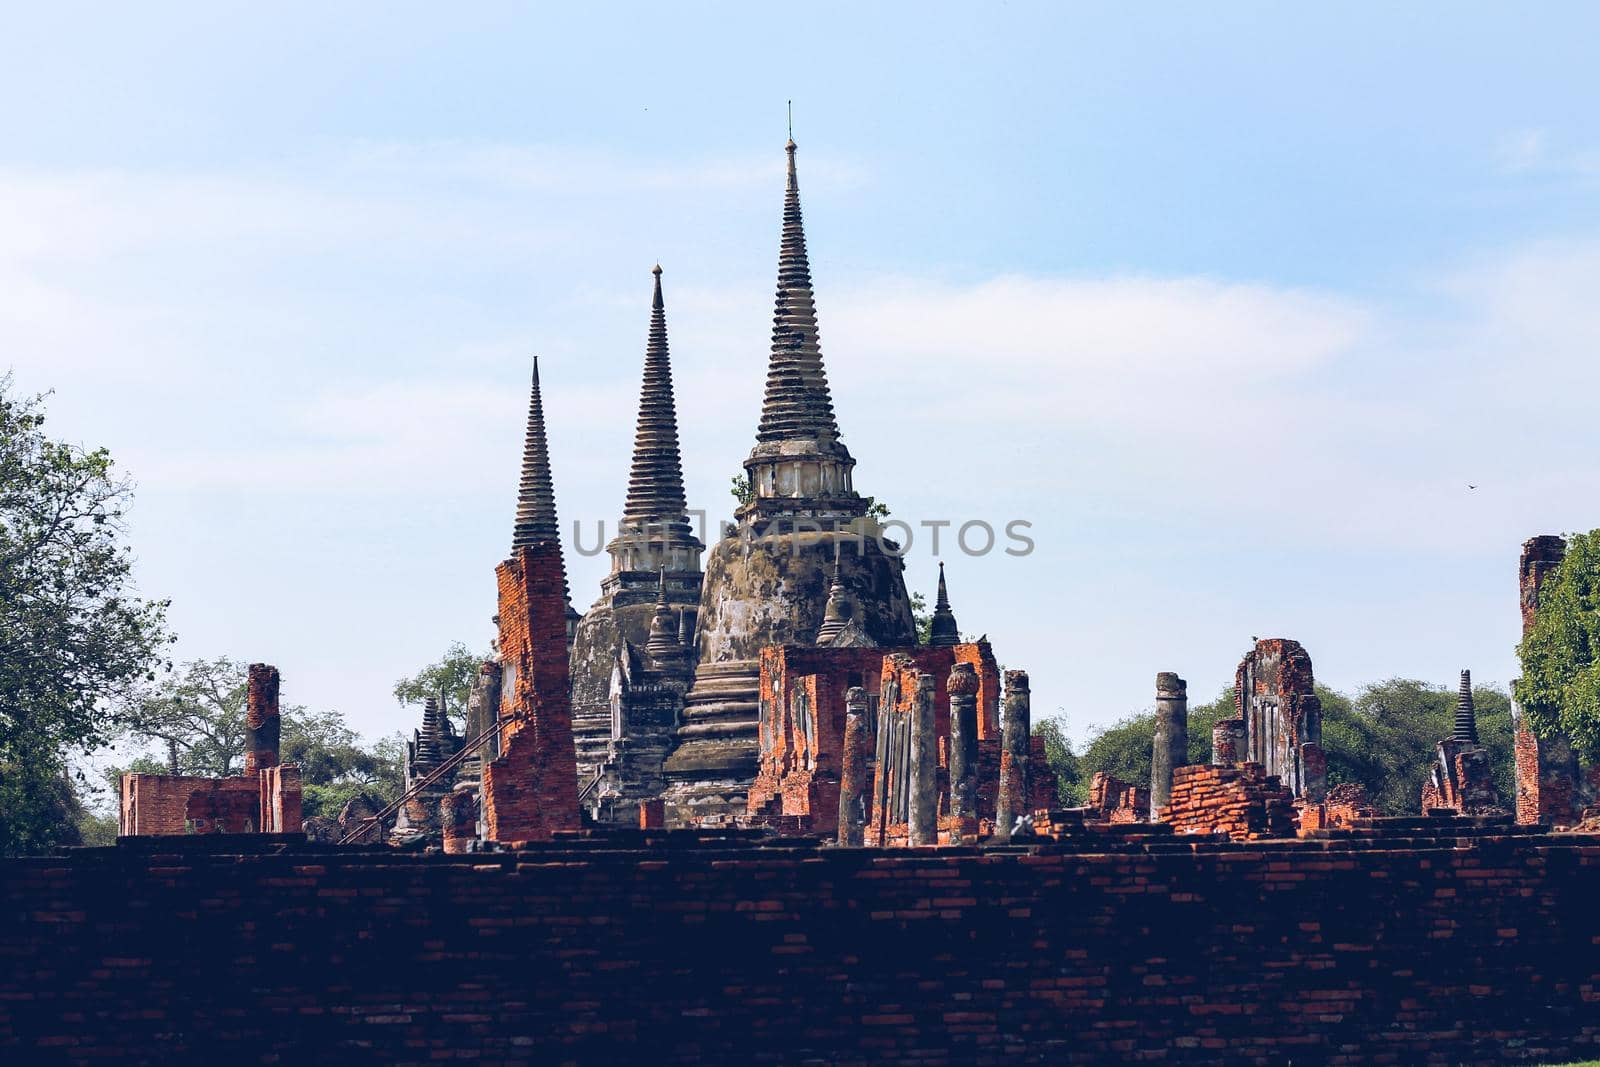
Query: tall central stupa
767, 581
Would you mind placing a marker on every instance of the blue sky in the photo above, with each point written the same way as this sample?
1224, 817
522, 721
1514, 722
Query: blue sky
1231, 302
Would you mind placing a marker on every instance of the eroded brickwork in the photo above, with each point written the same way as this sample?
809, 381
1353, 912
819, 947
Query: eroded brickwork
1113, 800
1275, 695
1429, 943
1244, 802
266, 798
531, 789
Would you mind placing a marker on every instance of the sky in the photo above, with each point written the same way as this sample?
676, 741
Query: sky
1234, 304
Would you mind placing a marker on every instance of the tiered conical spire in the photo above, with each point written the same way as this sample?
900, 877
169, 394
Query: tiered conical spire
536, 498
663, 647
797, 404
943, 631
655, 485
430, 741
1466, 717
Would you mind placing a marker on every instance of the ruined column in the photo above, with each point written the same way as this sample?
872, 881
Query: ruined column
1227, 742
853, 779
1171, 746
963, 687
1015, 730
924, 821
261, 719
458, 814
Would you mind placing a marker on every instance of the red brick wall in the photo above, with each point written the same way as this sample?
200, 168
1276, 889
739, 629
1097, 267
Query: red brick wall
167, 804
1242, 801
531, 789
1357, 949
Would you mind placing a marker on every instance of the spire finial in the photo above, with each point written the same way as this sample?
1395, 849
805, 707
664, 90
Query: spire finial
797, 405
942, 630
1466, 717
663, 647
656, 499
836, 613
536, 500
791, 123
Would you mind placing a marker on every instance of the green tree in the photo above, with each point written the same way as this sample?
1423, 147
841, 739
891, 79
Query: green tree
921, 617
741, 490
1560, 686
194, 717
1058, 752
73, 634
450, 680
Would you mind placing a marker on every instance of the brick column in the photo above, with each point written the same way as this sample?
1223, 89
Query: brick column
1015, 729
1171, 746
261, 720
853, 777
531, 789
963, 689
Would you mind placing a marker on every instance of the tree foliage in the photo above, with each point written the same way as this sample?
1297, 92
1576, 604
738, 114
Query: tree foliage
449, 680
73, 632
1560, 686
1064, 762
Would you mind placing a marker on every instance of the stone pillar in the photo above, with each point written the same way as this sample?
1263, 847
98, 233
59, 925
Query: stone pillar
1171, 746
261, 719
458, 815
853, 777
1015, 733
1227, 742
963, 688
924, 821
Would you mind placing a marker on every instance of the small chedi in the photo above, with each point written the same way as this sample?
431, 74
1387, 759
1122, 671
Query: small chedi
1461, 780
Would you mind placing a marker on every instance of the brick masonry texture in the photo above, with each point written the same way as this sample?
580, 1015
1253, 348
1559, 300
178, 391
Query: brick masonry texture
1443, 941
531, 789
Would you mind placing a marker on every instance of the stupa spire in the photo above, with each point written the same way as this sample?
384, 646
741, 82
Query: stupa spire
943, 630
797, 403
536, 498
1466, 717
655, 485
430, 740
836, 613
663, 646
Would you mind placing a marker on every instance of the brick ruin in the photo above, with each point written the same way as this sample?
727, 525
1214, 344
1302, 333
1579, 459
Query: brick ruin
265, 798
1275, 695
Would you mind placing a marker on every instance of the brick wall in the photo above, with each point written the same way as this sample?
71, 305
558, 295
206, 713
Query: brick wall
667, 948
268, 801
